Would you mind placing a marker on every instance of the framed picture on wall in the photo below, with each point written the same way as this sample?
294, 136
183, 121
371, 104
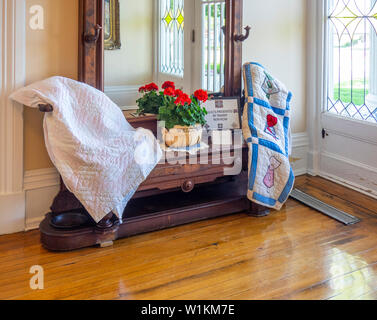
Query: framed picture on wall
112, 25
223, 113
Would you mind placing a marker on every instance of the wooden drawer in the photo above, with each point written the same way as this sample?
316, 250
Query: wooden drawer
186, 176
167, 177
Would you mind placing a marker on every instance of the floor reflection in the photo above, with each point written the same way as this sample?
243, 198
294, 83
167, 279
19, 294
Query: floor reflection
350, 275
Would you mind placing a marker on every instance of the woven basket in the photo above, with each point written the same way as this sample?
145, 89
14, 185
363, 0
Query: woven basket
181, 136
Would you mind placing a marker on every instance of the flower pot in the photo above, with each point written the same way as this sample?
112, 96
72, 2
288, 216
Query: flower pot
182, 136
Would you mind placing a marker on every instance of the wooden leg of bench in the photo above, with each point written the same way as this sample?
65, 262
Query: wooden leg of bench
107, 230
106, 222
256, 210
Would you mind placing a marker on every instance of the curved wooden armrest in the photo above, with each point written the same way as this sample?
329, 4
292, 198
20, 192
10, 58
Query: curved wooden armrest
45, 108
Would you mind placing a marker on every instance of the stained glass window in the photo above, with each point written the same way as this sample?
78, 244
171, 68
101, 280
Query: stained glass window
213, 46
172, 21
352, 59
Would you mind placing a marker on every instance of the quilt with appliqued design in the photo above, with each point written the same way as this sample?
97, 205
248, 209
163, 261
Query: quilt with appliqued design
266, 128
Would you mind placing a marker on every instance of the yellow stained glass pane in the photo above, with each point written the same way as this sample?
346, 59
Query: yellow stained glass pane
180, 19
168, 18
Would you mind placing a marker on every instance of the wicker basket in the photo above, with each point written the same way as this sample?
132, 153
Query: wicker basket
181, 136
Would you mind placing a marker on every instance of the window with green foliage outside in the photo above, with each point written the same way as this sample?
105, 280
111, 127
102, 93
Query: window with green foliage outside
352, 59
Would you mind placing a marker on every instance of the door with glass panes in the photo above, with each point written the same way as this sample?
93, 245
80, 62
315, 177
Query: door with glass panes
349, 117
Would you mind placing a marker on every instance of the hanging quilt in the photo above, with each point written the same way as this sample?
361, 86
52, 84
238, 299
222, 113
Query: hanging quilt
266, 128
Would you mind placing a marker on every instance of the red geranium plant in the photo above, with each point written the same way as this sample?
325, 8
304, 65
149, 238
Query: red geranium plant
150, 101
173, 105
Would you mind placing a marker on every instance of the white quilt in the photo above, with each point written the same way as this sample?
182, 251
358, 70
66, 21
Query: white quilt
100, 157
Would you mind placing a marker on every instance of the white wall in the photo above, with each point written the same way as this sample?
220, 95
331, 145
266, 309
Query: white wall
278, 41
133, 63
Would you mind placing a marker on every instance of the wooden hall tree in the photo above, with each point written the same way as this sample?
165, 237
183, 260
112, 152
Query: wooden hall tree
200, 191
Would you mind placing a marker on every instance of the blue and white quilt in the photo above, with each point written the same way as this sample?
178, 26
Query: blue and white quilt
266, 128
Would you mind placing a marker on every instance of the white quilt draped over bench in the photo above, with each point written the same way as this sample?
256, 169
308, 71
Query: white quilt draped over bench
100, 157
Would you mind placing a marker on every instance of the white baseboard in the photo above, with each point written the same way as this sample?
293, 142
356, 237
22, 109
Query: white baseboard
33, 223
12, 213
299, 158
41, 186
42, 178
352, 174
313, 162
348, 184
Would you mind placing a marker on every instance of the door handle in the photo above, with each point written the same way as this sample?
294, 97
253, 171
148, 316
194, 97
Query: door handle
241, 37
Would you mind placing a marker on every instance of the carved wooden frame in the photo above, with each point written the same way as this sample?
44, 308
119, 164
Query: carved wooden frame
233, 48
91, 53
91, 57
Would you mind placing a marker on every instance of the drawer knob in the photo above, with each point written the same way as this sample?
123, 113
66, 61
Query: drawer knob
188, 186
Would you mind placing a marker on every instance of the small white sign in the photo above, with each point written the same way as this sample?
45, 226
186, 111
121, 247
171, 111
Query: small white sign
223, 114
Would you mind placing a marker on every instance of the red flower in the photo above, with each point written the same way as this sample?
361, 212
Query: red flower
272, 121
201, 95
151, 87
178, 101
169, 91
168, 84
142, 89
178, 92
182, 99
186, 99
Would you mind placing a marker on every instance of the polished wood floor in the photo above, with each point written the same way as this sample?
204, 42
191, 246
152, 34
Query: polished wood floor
297, 253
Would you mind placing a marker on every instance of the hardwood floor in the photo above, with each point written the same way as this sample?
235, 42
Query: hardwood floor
296, 253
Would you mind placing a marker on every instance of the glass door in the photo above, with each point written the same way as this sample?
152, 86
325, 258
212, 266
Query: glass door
349, 118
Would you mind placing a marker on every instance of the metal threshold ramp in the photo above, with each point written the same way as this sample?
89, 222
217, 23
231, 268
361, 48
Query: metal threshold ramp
326, 209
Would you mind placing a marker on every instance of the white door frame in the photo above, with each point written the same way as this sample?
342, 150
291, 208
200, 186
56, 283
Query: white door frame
12, 70
160, 77
350, 173
315, 83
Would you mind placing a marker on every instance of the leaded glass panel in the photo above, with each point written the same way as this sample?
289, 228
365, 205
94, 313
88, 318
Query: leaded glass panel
213, 45
172, 21
352, 42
